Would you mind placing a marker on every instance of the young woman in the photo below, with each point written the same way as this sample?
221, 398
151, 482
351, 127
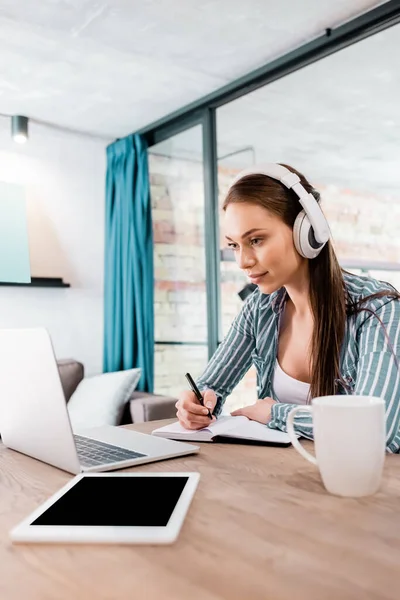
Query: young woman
310, 328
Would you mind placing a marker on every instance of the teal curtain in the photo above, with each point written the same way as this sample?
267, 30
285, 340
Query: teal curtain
128, 277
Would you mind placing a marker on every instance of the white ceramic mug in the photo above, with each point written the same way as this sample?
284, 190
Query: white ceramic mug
350, 441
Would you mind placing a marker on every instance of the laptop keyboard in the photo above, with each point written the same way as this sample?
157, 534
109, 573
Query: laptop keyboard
93, 453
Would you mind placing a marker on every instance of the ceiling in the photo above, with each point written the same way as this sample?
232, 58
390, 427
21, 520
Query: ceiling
111, 67
338, 120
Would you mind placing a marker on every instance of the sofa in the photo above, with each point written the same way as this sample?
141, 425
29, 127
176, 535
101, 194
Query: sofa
140, 407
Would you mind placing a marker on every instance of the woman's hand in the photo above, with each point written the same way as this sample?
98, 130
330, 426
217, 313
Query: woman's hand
191, 414
260, 411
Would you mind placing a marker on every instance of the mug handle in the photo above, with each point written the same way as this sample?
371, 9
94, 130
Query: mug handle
292, 434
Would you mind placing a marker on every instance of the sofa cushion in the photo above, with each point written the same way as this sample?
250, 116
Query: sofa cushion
99, 400
151, 407
71, 374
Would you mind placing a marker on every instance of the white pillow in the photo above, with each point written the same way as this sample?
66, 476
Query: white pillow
98, 400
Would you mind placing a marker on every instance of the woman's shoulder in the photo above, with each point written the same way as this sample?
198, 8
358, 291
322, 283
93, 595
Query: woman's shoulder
362, 286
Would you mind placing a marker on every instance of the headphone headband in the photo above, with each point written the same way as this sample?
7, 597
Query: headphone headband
292, 181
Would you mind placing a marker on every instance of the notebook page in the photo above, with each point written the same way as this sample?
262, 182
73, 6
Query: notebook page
252, 430
221, 425
178, 428
225, 424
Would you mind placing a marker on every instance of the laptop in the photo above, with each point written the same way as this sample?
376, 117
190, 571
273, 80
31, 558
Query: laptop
34, 417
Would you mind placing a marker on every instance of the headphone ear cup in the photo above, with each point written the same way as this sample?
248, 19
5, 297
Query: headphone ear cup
302, 229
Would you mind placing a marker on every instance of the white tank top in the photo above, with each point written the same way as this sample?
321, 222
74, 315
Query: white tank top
287, 389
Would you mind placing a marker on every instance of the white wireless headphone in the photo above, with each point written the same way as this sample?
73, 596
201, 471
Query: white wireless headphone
310, 229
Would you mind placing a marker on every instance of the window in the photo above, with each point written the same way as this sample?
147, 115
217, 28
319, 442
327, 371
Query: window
177, 194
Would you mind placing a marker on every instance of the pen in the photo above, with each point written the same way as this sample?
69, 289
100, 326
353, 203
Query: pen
196, 391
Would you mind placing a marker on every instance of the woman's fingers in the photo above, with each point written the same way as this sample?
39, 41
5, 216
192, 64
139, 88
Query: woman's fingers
190, 413
188, 401
237, 413
192, 409
187, 417
210, 399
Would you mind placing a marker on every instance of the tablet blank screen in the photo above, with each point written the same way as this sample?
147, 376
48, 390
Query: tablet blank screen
116, 501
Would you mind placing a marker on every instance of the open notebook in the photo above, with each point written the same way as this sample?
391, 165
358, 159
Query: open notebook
227, 429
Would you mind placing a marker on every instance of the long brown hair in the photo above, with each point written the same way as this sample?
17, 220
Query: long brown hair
329, 301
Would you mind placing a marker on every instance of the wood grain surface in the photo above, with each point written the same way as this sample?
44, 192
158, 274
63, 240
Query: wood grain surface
261, 525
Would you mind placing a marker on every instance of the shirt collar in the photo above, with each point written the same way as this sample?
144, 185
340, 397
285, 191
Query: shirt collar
278, 300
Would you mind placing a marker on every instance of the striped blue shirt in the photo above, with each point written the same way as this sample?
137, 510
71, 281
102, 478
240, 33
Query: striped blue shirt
367, 363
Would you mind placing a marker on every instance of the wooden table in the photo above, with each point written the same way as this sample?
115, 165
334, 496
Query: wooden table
261, 525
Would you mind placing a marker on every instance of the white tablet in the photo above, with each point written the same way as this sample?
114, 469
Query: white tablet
113, 508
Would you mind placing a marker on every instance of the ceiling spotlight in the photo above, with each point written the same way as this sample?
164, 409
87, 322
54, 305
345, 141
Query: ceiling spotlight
19, 129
